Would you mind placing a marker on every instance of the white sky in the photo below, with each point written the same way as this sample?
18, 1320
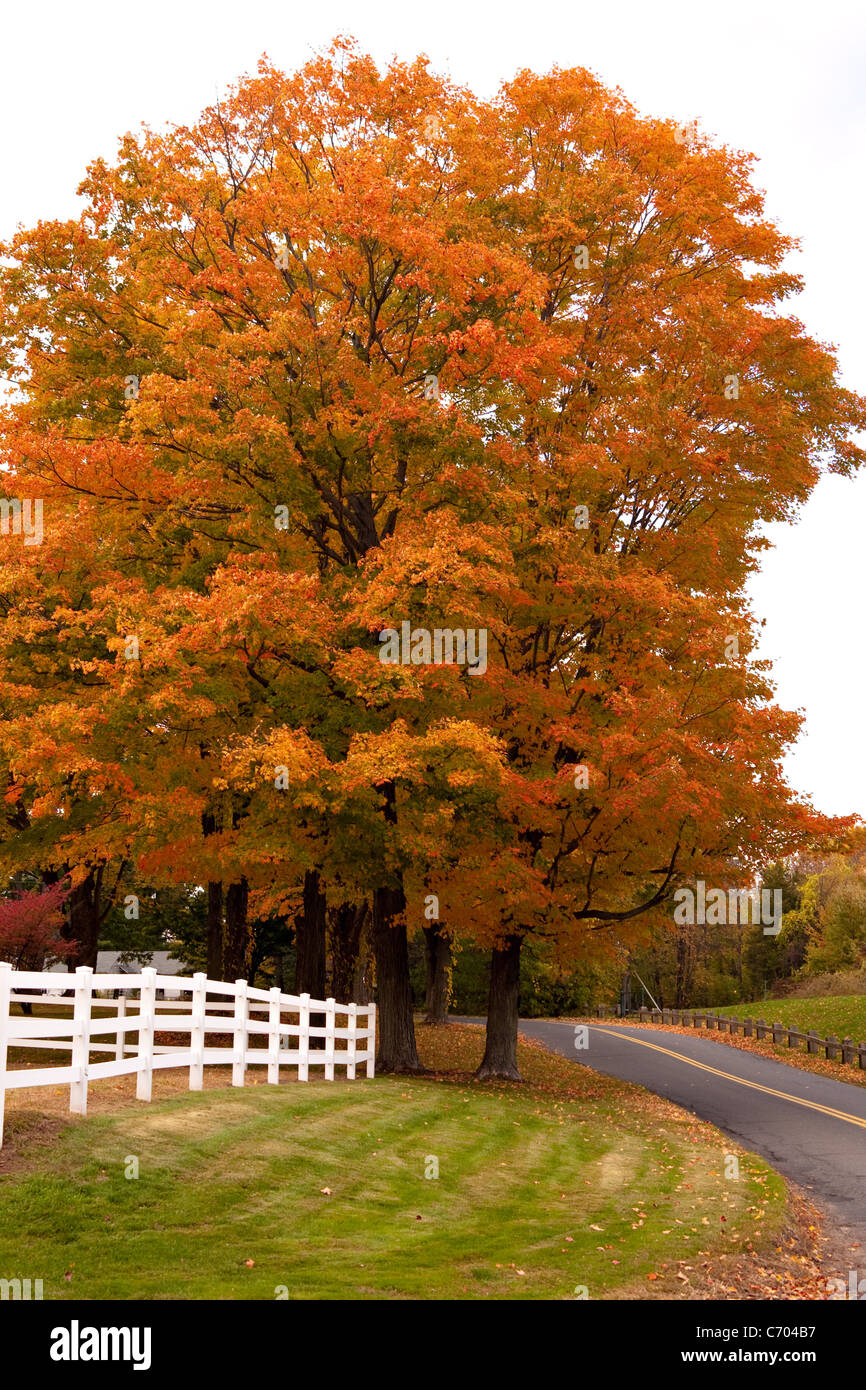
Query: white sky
786, 80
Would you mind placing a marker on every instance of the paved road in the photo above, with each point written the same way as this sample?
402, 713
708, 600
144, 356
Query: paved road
810, 1128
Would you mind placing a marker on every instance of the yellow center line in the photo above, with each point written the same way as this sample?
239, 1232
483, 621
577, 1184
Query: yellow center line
741, 1081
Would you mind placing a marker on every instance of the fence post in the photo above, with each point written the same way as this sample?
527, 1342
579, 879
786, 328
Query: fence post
812, 1042
5, 997
778, 1030
371, 1040
81, 1038
146, 1012
748, 1025
792, 1037
304, 1038
274, 1036
330, 1022
861, 1058
196, 1035
760, 1030
848, 1050
120, 1047
353, 1042
239, 1055
832, 1047
644, 1013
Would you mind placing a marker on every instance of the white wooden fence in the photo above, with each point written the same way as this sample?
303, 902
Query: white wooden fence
282, 1021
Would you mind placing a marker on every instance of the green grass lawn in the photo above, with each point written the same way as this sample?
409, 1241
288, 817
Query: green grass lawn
841, 1014
573, 1179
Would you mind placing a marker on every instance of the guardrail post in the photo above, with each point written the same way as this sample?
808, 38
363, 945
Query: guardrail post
196, 1032
778, 1031
353, 1042
748, 1026
831, 1048
330, 1021
371, 1040
5, 999
812, 1042
274, 1035
847, 1050
644, 1013
239, 1054
146, 1016
760, 1030
861, 1058
304, 1038
81, 1038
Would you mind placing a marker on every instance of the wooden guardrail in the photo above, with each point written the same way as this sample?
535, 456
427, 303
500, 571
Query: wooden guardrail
836, 1049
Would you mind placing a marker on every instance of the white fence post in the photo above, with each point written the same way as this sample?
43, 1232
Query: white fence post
239, 1058
371, 1040
146, 1012
5, 997
121, 1032
196, 1037
274, 1036
304, 1038
330, 1022
353, 1042
81, 1038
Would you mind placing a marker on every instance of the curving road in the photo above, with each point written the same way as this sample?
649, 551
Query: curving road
810, 1128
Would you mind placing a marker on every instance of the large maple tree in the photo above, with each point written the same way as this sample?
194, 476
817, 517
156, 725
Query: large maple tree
358, 349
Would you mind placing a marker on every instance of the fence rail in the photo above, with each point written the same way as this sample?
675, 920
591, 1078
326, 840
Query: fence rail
834, 1049
262, 1027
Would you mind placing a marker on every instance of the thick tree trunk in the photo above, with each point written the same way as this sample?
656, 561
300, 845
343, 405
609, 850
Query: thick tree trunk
310, 927
237, 943
83, 920
347, 923
214, 931
397, 1050
438, 954
500, 1052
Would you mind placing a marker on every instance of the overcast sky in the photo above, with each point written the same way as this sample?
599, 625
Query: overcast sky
785, 80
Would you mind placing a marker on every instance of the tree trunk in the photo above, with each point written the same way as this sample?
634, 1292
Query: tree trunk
362, 985
82, 924
500, 1052
347, 923
237, 942
397, 1050
214, 930
438, 954
310, 943
310, 939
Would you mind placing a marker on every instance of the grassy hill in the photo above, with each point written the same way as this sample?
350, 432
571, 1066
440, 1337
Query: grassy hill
319, 1190
843, 1015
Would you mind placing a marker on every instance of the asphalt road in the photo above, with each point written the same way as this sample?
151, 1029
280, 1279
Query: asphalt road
810, 1128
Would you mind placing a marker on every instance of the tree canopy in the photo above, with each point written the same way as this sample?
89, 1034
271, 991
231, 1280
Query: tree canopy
358, 350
